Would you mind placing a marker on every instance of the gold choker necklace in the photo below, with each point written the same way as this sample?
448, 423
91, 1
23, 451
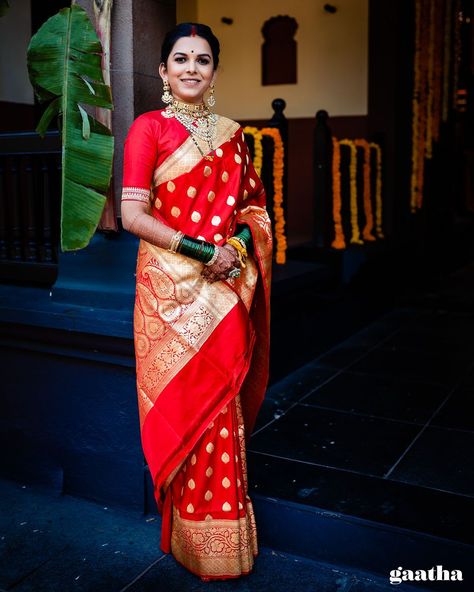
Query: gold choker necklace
192, 109
197, 118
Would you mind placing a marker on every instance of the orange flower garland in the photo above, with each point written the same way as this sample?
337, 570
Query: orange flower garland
430, 87
457, 43
339, 241
355, 238
416, 109
430, 81
278, 168
369, 218
257, 145
378, 190
438, 68
446, 61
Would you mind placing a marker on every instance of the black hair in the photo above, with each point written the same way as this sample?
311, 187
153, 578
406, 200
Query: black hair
185, 30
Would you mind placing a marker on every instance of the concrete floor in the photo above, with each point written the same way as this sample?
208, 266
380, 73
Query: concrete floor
59, 543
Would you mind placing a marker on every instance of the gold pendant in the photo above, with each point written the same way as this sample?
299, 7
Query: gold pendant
209, 157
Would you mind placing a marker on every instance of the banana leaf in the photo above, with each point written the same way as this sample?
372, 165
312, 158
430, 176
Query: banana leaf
64, 66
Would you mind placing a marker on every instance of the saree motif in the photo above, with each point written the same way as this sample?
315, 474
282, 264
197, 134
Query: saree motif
202, 349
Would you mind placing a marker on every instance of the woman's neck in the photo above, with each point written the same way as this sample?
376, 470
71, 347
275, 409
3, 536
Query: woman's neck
187, 107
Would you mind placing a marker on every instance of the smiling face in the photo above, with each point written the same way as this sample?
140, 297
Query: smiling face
189, 69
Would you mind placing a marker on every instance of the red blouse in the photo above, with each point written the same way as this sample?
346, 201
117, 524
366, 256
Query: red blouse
202, 198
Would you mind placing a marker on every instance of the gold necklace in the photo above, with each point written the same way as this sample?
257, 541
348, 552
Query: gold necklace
197, 119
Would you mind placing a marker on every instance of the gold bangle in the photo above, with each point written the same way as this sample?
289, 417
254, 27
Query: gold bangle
241, 241
241, 250
175, 241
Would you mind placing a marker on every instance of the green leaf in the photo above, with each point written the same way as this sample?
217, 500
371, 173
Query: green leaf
65, 64
51, 110
85, 206
89, 85
86, 128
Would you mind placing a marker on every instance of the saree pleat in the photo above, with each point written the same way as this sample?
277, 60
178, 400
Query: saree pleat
202, 349
214, 531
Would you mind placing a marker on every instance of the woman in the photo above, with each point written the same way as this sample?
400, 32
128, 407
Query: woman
201, 316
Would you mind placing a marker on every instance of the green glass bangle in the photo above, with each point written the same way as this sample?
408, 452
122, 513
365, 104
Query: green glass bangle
245, 234
196, 249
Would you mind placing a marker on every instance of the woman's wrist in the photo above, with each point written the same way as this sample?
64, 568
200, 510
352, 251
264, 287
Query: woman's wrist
244, 235
213, 259
175, 241
240, 247
198, 249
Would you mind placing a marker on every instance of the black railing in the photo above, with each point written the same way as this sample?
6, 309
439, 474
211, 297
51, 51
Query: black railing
322, 161
279, 121
30, 190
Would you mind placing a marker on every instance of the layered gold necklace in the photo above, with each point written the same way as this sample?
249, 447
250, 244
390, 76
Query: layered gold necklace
197, 119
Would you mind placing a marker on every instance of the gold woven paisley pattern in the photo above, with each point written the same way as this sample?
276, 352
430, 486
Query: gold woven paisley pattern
175, 311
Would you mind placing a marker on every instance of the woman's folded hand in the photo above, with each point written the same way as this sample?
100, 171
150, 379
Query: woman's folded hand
227, 260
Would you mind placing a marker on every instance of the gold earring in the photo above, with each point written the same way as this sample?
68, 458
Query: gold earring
166, 97
211, 101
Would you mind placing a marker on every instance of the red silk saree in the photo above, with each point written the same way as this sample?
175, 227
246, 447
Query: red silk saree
202, 349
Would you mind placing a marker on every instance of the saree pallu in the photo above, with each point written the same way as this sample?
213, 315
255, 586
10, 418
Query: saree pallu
202, 349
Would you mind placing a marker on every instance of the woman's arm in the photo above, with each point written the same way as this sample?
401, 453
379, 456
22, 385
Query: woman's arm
137, 220
139, 161
140, 153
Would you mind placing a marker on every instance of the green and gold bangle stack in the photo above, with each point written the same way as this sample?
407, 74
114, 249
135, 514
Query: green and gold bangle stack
198, 249
241, 242
245, 235
202, 250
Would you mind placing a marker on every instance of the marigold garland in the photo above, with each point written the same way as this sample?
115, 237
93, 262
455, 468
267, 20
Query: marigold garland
457, 42
278, 170
415, 133
339, 241
430, 81
279, 215
355, 238
438, 68
369, 218
420, 102
417, 128
446, 60
378, 190
257, 147
431, 63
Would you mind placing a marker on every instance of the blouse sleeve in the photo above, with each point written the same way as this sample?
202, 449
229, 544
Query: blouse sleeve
139, 158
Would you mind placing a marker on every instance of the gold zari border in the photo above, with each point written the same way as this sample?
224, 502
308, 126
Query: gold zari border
187, 156
215, 547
